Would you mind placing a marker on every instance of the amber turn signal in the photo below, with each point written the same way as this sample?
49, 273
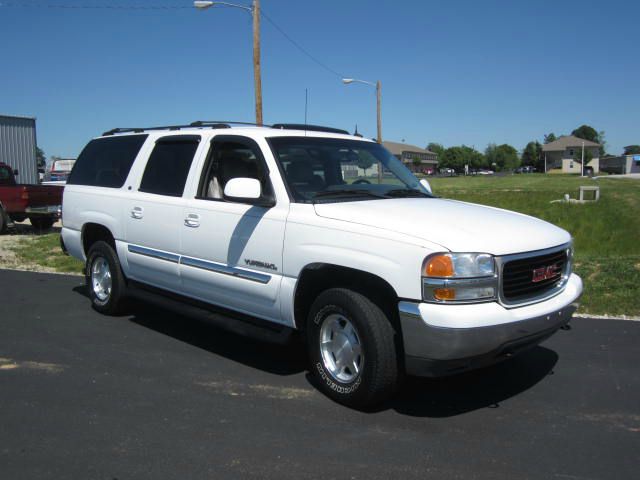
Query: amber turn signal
444, 293
439, 266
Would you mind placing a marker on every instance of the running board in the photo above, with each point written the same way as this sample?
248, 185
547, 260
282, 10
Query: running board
229, 320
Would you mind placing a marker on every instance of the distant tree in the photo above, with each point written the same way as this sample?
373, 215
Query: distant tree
365, 161
436, 148
458, 157
504, 156
532, 155
587, 132
40, 159
632, 150
551, 137
416, 161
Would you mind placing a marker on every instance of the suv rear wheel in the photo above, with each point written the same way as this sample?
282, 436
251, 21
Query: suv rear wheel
104, 279
351, 345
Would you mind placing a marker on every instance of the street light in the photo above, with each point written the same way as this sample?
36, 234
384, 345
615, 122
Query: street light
255, 13
378, 86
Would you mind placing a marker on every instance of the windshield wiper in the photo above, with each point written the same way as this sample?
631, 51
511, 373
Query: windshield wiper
407, 192
346, 193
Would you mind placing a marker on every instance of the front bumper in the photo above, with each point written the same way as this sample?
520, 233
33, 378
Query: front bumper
446, 339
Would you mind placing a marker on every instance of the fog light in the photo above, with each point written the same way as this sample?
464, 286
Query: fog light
478, 293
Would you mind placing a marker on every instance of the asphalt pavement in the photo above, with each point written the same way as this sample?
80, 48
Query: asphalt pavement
156, 395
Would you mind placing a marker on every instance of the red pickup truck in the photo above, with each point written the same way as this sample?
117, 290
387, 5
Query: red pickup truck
41, 204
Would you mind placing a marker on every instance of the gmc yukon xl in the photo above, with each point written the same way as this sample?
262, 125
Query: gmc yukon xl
308, 229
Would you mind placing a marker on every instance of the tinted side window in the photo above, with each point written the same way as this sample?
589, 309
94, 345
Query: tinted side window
105, 162
232, 157
169, 164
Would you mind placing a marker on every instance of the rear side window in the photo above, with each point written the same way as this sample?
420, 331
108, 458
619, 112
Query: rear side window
105, 162
169, 164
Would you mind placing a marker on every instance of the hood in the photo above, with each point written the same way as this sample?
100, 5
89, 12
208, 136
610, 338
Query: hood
457, 226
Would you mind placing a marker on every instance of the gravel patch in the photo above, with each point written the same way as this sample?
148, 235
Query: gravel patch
23, 232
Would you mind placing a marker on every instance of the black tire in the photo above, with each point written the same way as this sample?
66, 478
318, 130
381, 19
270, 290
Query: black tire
378, 376
113, 302
42, 224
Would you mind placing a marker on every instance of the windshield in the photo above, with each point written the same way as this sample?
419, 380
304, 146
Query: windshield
329, 170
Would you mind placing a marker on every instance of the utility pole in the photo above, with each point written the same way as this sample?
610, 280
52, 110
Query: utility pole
379, 103
256, 60
582, 159
255, 14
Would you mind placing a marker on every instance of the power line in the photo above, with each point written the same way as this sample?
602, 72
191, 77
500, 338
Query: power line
69, 6
299, 47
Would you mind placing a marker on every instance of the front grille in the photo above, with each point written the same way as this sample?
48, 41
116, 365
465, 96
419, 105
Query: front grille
532, 277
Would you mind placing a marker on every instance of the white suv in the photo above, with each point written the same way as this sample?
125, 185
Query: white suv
302, 228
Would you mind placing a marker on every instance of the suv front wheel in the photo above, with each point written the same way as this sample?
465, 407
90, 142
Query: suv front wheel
104, 279
352, 351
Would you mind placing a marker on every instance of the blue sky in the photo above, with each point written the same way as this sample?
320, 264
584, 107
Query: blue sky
455, 72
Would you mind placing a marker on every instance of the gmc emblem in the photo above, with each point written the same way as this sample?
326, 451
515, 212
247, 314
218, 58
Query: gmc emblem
545, 273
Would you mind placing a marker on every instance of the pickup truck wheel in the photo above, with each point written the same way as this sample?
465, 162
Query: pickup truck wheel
41, 224
104, 278
351, 348
3, 222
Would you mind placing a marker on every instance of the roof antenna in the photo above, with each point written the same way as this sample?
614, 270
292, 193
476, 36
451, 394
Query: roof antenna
356, 133
306, 105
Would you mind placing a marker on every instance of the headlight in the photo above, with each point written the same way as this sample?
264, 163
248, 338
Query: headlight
459, 277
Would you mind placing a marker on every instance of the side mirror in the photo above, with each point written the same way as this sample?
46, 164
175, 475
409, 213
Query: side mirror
15, 172
426, 185
242, 188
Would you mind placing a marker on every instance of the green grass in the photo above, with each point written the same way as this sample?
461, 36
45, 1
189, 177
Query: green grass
45, 251
606, 233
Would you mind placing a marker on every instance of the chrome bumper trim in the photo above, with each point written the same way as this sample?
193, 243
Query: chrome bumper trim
438, 344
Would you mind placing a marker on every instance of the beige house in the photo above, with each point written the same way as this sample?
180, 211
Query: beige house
566, 154
410, 154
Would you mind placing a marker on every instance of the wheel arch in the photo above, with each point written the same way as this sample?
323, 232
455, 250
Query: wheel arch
317, 277
93, 232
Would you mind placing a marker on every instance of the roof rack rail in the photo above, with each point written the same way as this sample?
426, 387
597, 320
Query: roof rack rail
311, 128
166, 127
227, 124
208, 123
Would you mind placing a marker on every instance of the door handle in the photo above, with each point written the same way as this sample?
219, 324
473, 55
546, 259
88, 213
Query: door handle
192, 220
137, 213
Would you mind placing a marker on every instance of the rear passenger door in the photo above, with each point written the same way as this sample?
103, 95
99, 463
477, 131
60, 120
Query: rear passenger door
232, 250
154, 213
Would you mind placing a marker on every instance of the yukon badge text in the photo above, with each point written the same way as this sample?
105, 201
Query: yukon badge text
259, 264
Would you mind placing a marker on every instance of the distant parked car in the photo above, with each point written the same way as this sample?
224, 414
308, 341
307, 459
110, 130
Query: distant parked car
525, 169
485, 172
447, 171
59, 172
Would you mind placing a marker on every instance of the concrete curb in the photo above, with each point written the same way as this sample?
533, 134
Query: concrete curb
607, 317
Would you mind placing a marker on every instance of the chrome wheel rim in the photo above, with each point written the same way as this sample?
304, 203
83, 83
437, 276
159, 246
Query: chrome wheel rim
341, 348
101, 279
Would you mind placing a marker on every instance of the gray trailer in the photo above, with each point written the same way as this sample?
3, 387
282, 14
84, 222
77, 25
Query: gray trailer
18, 146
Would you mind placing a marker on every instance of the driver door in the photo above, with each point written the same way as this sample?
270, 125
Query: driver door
232, 250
